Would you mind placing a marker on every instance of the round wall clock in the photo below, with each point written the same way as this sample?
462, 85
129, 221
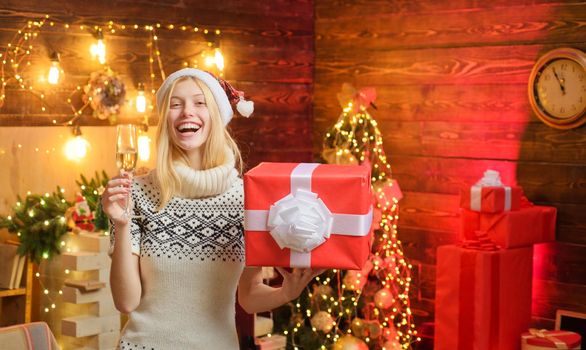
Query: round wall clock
557, 88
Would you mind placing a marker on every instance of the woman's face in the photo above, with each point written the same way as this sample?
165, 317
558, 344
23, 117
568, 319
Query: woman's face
189, 118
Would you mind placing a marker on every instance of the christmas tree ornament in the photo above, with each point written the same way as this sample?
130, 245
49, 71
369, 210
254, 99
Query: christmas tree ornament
322, 321
349, 342
354, 280
357, 326
372, 329
384, 298
322, 290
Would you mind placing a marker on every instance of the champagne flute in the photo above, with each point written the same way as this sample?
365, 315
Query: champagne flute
126, 154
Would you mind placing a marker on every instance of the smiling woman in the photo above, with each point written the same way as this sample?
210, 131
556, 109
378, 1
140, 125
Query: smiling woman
176, 269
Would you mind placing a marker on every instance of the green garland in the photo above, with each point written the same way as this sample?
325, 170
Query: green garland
92, 190
39, 222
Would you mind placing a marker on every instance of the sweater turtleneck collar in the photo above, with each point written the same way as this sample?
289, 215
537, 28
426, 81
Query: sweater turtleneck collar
206, 183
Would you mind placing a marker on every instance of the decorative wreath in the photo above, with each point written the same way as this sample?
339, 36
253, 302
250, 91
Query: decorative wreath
105, 93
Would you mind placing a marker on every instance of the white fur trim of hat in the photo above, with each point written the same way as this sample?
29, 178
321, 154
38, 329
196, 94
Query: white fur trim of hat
245, 108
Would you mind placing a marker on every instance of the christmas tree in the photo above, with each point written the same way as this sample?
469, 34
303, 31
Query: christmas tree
39, 223
367, 309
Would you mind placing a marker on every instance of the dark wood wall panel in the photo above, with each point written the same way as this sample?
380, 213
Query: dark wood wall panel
268, 47
451, 80
549, 23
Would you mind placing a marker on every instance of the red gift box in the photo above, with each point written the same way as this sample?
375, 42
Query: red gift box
279, 230
274, 342
526, 226
490, 195
491, 199
483, 298
542, 339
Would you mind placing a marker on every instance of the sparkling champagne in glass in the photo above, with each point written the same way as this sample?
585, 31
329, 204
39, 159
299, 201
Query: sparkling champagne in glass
126, 153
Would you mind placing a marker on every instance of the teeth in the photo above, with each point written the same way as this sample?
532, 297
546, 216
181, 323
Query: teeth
188, 126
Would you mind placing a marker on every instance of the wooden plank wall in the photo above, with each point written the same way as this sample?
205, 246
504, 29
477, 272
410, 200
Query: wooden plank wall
268, 47
451, 78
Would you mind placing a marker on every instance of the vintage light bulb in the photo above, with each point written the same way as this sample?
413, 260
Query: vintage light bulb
98, 50
219, 59
53, 77
140, 99
76, 147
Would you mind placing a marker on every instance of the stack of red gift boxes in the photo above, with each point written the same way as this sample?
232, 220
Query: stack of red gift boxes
483, 289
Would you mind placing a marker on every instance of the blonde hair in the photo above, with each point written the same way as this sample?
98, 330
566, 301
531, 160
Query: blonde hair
214, 148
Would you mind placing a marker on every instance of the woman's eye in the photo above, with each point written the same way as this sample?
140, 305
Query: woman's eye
175, 105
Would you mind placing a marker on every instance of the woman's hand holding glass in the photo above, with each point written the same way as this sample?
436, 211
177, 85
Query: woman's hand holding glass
115, 199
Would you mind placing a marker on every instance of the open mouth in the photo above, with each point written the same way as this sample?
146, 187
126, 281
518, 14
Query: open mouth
186, 128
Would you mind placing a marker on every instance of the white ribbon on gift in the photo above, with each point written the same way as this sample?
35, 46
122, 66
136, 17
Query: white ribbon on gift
491, 178
302, 222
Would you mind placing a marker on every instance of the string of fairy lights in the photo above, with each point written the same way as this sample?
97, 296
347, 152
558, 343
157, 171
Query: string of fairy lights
22, 53
383, 320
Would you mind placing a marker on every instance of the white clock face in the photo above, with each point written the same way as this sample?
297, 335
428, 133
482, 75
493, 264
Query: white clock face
561, 88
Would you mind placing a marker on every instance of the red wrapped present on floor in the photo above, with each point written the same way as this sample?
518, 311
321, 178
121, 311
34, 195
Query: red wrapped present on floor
542, 339
307, 215
524, 227
483, 298
489, 195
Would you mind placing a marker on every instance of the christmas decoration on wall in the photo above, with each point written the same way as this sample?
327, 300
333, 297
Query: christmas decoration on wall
105, 93
370, 308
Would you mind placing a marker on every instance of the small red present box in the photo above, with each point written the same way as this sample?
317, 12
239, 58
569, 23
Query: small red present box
307, 215
541, 339
273, 342
526, 226
489, 195
483, 298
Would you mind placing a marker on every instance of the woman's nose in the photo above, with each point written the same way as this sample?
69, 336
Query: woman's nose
189, 111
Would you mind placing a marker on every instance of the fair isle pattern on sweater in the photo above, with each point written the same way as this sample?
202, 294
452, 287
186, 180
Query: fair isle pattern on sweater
206, 228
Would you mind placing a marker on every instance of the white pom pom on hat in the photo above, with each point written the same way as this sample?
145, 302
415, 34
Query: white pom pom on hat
245, 108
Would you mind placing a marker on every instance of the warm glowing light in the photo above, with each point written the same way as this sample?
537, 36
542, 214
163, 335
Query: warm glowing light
140, 99
144, 147
76, 148
98, 50
53, 77
219, 59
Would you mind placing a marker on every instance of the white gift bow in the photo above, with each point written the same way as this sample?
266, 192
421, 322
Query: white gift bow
491, 178
300, 213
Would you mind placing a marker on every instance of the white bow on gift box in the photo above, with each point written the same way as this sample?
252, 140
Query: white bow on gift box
300, 222
491, 178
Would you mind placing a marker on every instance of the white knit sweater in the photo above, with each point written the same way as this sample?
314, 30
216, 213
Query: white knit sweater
191, 257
